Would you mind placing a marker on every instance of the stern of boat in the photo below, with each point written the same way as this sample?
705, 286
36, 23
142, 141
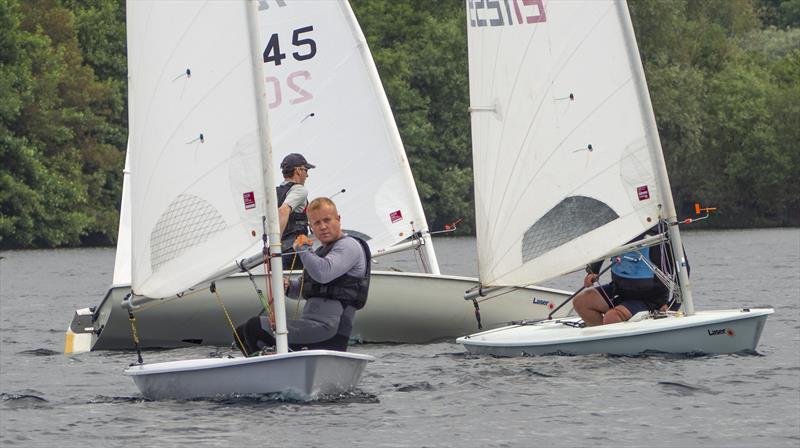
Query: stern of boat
80, 335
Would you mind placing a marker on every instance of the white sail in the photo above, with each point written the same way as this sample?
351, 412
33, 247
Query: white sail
564, 171
327, 103
196, 184
122, 258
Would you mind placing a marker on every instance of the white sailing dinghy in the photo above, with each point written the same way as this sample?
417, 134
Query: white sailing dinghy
568, 169
203, 192
332, 108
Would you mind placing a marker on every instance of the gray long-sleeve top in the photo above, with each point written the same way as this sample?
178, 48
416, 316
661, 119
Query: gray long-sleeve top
346, 257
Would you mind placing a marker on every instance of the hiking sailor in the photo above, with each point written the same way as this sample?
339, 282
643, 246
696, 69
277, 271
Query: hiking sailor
634, 286
335, 284
292, 202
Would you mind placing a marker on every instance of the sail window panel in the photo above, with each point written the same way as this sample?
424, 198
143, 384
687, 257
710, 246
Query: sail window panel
187, 221
571, 218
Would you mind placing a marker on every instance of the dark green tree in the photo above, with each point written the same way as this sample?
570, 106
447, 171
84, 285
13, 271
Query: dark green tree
421, 53
58, 168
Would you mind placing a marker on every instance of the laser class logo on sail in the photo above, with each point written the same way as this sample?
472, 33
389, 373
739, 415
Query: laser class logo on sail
505, 12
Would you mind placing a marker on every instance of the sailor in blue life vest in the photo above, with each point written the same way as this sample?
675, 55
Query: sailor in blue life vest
335, 283
634, 287
292, 202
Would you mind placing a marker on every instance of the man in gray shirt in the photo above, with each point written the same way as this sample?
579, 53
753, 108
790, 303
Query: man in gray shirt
335, 284
292, 202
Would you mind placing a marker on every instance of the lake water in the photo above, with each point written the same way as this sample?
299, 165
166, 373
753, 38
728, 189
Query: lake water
431, 395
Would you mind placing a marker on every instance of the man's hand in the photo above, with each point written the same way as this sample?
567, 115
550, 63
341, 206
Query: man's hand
285, 284
301, 242
589, 280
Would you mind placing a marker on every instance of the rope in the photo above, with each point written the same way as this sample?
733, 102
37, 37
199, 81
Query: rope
135, 336
550, 316
156, 304
267, 260
477, 313
268, 301
259, 292
302, 278
227, 316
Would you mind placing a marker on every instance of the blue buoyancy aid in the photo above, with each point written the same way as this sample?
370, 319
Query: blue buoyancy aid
633, 266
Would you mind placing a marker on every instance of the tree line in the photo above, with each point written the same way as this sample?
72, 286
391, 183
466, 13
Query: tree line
724, 77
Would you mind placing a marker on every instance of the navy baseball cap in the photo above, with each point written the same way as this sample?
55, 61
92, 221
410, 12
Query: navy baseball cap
295, 160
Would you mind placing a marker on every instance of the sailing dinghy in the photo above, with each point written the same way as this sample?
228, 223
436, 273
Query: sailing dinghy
203, 194
356, 148
569, 169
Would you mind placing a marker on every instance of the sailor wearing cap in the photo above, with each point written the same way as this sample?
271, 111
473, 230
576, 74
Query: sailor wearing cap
292, 203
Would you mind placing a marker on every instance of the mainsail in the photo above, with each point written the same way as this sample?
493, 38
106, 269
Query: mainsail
196, 184
122, 257
326, 102
564, 166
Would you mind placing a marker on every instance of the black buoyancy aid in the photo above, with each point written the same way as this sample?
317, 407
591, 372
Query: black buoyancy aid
348, 289
297, 224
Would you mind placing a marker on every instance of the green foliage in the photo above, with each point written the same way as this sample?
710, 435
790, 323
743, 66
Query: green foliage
60, 153
781, 13
726, 105
724, 77
420, 49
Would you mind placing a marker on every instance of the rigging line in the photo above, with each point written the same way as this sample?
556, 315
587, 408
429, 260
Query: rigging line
577, 187
259, 292
416, 259
267, 262
536, 114
227, 316
302, 278
418, 253
569, 299
135, 335
158, 302
510, 290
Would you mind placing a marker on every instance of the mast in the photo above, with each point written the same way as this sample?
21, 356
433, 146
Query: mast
654, 143
397, 142
270, 195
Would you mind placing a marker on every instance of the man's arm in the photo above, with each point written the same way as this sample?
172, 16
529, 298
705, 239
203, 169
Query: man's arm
283, 216
296, 197
344, 255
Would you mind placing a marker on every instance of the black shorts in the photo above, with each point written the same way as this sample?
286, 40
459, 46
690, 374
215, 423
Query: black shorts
632, 301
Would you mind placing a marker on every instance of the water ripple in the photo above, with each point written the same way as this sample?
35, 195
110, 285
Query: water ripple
39, 352
24, 401
684, 390
421, 385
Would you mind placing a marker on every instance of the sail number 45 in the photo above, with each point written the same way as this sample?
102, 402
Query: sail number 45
307, 47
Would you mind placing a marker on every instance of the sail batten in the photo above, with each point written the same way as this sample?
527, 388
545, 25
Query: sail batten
563, 169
